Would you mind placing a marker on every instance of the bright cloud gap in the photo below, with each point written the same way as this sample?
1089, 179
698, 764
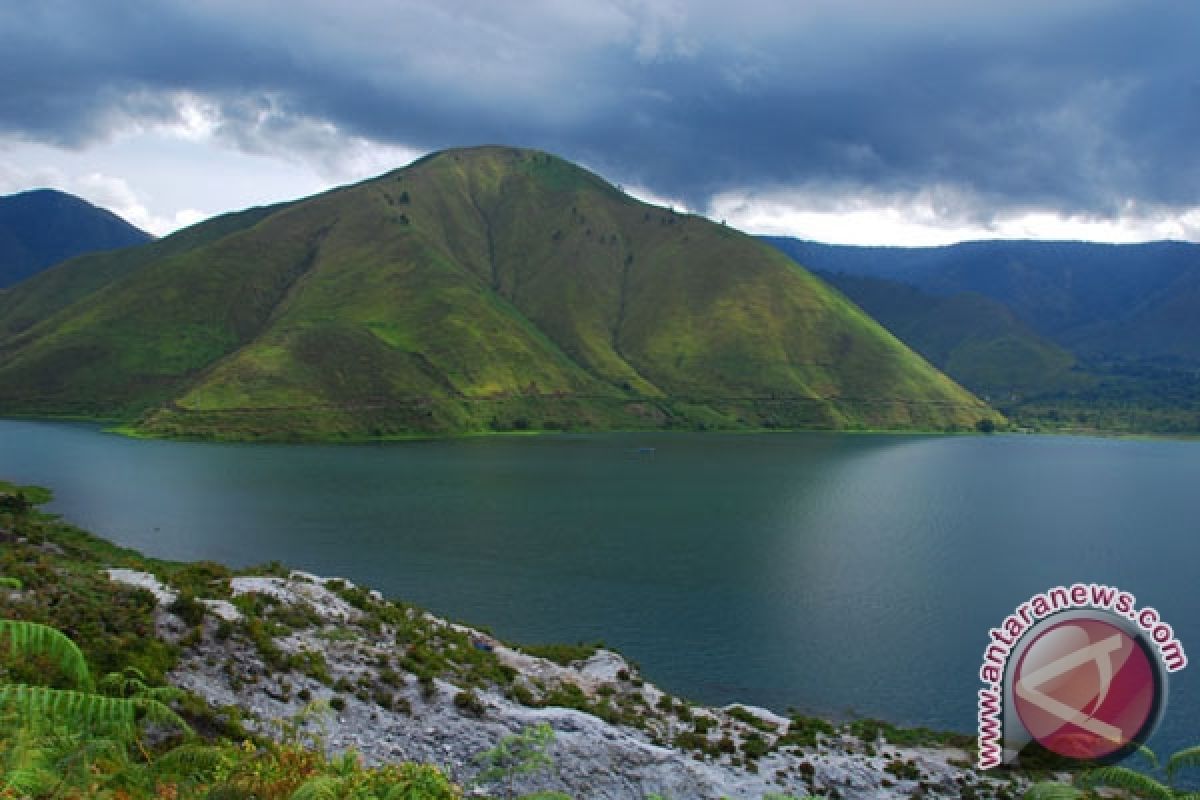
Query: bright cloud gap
915, 222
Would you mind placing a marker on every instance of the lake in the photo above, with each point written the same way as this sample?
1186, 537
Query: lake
835, 573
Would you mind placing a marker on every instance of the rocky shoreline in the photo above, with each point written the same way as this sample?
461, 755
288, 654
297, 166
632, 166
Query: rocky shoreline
402, 684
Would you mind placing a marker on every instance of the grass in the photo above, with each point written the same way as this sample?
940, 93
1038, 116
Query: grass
483, 290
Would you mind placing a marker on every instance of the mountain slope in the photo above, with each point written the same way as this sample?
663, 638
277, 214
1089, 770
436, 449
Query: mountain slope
1100, 301
482, 289
57, 287
42, 227
973, 339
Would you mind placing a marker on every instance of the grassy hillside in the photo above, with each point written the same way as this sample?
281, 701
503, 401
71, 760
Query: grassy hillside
1015, 315
42, 227
57, 287
476, 290
1100, 301
973, 339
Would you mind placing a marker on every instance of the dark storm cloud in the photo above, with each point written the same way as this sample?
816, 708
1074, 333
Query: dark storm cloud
1077, 106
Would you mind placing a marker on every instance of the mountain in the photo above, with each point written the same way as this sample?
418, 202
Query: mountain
1100, 301
42, 227
475, 290
975, 340
1069, 335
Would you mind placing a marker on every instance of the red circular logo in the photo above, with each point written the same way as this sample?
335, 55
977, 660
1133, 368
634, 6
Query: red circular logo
1086, 689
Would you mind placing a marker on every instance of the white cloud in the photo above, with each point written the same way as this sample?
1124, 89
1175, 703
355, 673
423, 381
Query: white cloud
936, 216
168, 173
200, 157
654, 199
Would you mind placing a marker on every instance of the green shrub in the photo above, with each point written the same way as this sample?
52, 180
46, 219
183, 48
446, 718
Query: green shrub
755, 746
803, 731
745, 715
904, 770
469, 702
563, 654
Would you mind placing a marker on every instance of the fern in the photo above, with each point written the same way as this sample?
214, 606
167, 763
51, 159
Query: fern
1126, 779
1183, 759
1047, 790
26, 765
1148, 754
193, 762
27, 640
10, 583
32, 781
83, 757
86, 709
131, 683
322, 787
1128, 782
230, 793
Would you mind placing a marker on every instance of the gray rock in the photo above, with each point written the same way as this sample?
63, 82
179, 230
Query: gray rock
592, 758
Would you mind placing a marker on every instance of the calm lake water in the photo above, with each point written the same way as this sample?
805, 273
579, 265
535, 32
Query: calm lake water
834, 573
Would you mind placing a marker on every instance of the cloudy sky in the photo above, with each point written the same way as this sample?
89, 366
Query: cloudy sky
862, 121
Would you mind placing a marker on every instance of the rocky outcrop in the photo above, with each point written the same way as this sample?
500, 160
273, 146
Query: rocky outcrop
317, 640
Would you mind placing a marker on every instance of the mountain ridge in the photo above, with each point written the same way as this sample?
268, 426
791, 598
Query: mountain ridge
483, 289
1103, 337
41, 227
1081, 295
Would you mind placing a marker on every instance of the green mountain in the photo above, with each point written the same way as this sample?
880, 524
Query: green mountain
1127, 316
1103, 302
42, 227
475, 290
975, 340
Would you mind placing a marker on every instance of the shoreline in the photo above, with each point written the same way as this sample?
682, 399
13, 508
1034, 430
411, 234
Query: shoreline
410, 685
116, 427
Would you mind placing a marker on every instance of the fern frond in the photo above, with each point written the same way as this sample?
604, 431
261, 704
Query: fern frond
1048, 790
131, 683
1148, 754
31, 760
86, 709
421, 781
230, 793
67, 705
126, 683
31, 639
1188, 757
159, 713
192, 761
28, 781
10, 583
322, 787
1127, 779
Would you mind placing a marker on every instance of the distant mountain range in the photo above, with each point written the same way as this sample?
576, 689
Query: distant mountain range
979, 341
1065, 333
487, 289
43, 227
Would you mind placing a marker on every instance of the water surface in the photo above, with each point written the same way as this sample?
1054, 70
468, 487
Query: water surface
833, 573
